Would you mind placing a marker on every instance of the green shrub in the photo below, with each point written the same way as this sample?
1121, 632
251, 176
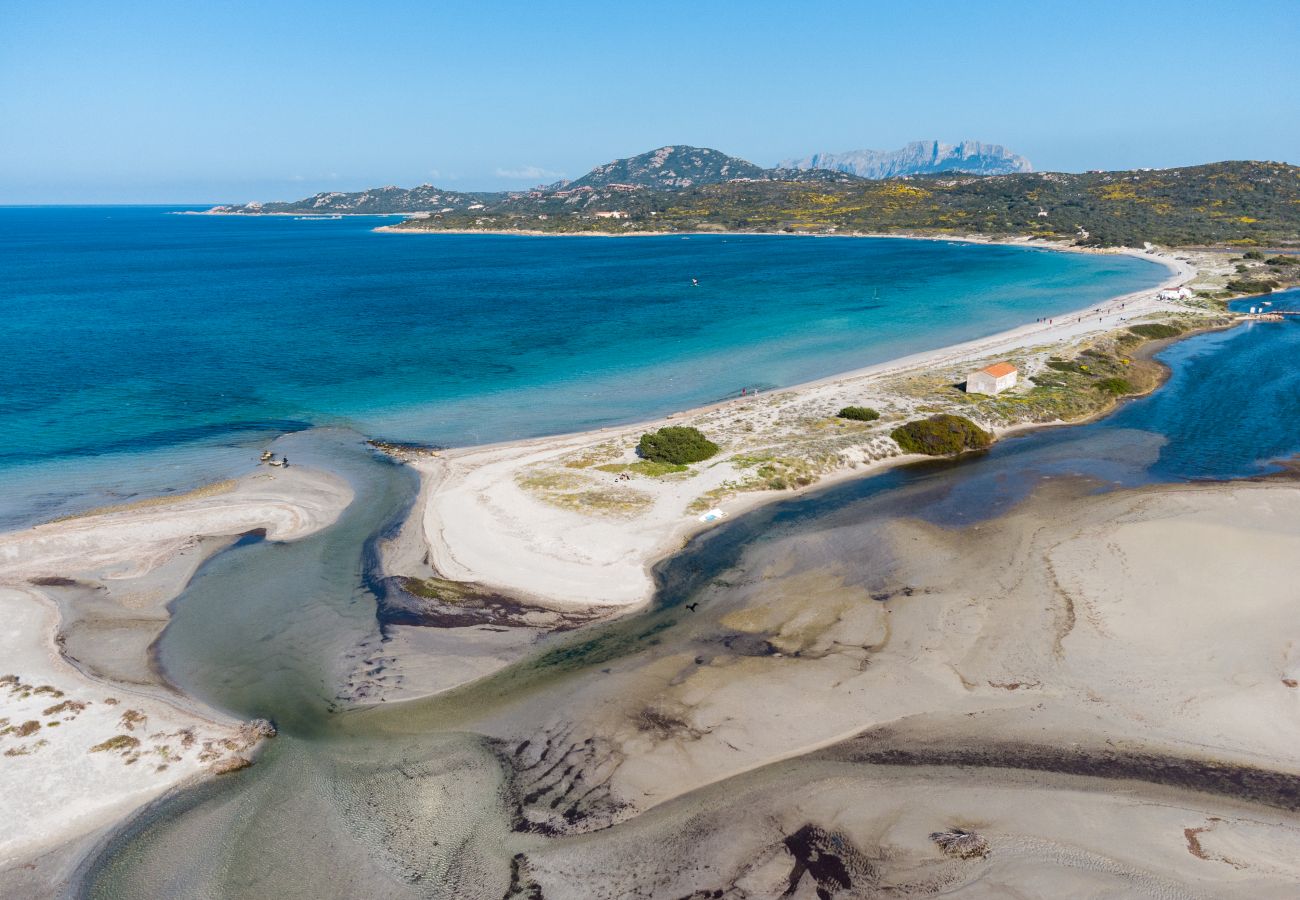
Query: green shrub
1156, 331
1251, 286
941, 435
858, 413
1252, 254
677, 444
1284, 260
1117, 386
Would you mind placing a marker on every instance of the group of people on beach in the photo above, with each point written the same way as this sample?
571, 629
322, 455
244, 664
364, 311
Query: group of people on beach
1100, 313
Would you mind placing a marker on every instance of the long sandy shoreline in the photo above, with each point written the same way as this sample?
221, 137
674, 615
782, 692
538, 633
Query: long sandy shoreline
475, 520
481, 526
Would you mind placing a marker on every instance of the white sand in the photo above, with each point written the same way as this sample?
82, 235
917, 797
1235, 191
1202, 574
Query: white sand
52, 714
130, 542
482, 526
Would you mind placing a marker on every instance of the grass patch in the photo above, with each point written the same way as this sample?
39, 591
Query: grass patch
118, 743
1155, 331
592, 456
1116, 387
1251, 286
858, 414
650, 468
440, 589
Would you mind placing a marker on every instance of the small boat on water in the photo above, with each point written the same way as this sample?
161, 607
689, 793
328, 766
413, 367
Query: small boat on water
315, 218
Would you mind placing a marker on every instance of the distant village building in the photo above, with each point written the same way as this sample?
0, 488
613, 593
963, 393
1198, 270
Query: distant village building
616, 214
1181, 293
992, 379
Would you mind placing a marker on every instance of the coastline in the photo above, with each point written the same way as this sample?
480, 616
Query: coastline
479, 526
91, 730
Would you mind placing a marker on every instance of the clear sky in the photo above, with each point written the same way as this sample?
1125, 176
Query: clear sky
143, 101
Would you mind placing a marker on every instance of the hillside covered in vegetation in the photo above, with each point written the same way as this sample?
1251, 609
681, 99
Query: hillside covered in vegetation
1235, 203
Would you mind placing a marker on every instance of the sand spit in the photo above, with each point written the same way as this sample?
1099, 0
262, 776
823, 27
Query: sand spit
82, 745
565, 522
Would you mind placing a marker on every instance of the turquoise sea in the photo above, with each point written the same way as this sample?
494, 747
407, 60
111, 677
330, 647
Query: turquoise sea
145, 351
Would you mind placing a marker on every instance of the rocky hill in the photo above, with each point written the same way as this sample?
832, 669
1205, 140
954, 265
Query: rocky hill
918, 158
376, 201
1243, 204
665, 169
670, 167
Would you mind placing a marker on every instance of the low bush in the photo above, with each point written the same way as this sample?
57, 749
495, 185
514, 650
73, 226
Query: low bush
678, 444
1156, 331
1117, 386
1252, 254
1251, 286
858, 414
941, 435
1284, 260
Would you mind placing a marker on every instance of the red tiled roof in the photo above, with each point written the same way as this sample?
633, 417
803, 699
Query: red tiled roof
997, 370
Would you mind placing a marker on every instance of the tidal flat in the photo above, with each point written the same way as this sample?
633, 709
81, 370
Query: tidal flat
1064, 665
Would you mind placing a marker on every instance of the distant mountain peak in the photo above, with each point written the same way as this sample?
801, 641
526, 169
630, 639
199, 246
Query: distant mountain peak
918, 158
669, 167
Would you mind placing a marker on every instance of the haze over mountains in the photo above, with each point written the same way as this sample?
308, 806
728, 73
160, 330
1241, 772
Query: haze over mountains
673, 167
919, 158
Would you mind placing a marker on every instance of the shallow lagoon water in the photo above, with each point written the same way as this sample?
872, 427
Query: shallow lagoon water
402, 802
146, 351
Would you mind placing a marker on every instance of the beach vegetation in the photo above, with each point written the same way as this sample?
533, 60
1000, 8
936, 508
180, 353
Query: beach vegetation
679, 444
593, 456
1251, 286
26, 729
442, 590
119, 743
1114, 386
1247, 204
1282, 261
1252, 254
1155, 331
941, 435
650, 468
858, 414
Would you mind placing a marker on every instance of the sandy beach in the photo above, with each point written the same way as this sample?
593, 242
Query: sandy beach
555, 532
532, 518
89, 730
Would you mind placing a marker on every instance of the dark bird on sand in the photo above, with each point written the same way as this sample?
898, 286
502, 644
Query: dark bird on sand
691, 606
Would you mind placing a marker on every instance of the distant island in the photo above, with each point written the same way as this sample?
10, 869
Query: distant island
694, 189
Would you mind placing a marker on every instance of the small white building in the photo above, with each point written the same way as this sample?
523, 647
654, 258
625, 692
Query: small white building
1180, 293
992, 379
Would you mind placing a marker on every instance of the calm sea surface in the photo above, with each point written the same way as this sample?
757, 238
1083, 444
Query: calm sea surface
145, 351
404, 800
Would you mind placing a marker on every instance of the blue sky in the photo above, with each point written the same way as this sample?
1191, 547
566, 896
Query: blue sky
232, 101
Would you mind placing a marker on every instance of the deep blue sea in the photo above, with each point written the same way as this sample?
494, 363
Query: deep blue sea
144, 350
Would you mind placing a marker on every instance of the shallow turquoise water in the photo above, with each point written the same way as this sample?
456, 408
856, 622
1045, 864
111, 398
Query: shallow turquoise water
145, 351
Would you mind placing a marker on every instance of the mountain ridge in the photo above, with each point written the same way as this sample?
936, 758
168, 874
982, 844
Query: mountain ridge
918, 158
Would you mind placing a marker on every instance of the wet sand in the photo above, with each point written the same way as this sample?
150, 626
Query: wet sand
91, 729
